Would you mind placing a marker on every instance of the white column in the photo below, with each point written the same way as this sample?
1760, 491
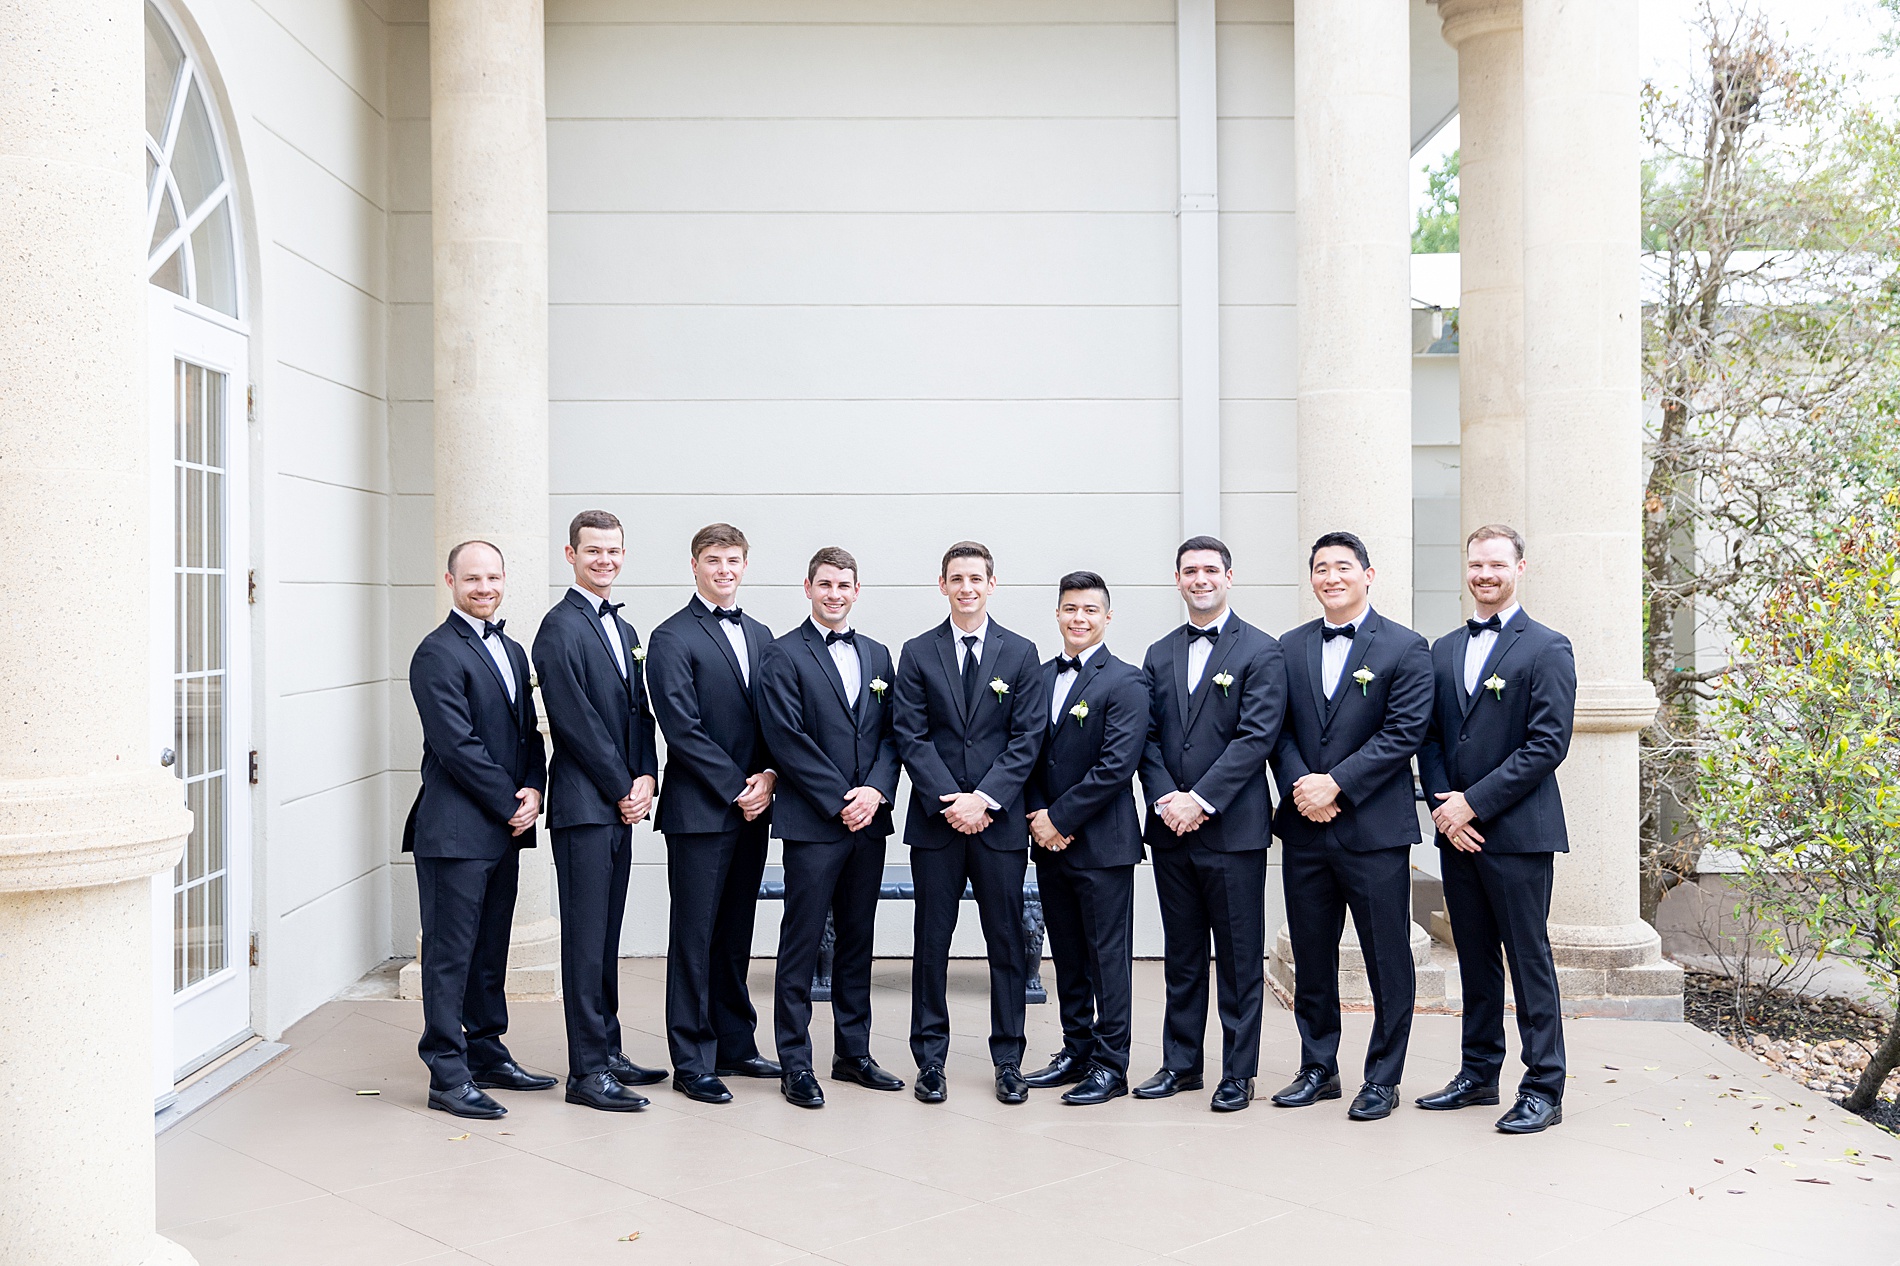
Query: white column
1199, 215
87, 817
489, 195
1351, 152
1583, 462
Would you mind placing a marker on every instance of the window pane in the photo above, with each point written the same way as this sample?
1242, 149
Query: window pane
194, 753
194, 450
194, 935
151, 173
195, 842
214, 621
178, 727
214, 926
194, 517
214, 520
179, 581
214, 824
214, 723
195, 160
195, 622
213, 257
178, 940
167, 223
171, 274
214, 392
179, 368
162, 59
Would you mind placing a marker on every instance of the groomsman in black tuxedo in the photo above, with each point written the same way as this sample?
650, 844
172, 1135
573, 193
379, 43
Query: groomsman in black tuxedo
600, 784
483, 772
1087, 835
1218, 692
715, 811
1359, 695
1506, 700
969, 715
824, 701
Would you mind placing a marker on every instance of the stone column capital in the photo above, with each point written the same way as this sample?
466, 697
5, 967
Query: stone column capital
85, 830
1614, 707
1464, 19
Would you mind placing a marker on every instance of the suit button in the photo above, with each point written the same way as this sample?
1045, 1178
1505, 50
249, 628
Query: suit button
969, 742
1187, 747
1325, 739
1463, 738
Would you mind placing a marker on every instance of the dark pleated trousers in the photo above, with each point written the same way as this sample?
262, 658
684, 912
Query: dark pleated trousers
1208, 896
591, 865
1089, 914
1501, 901
840, 877
995, 877
468, 906
713, 880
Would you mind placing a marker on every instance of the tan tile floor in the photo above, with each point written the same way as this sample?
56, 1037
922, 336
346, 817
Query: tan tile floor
1676, 1149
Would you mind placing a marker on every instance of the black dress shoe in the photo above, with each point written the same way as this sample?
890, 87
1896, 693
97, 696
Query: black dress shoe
1460, 1092
864, 1070
931, 1085
758, 1066
603, 1090
1010, 1086
628, 1073
701, 1087
801, 1089
1233, 1094
1531, 1114
1166, 1083
1098, 1086
509, 1075
1373, 1102
1311, 1084
466, 1100
1065, 1068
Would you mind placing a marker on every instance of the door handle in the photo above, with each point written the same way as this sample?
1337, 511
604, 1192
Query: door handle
167, 758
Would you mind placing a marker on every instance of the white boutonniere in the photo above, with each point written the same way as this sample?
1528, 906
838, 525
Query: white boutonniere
1000, 686
1365, 677
1080, 712
639, 654
1495, 684
879, 686
1224, 681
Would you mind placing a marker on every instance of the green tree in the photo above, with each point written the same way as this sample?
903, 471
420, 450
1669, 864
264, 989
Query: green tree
1436, 232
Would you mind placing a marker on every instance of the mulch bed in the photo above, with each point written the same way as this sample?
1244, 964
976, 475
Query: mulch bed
1823, 1043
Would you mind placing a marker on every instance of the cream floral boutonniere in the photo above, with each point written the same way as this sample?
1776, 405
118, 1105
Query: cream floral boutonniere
1000, 686
1080, 712
1365, 677
879, 686
1495, 684
639, 654
1224, 681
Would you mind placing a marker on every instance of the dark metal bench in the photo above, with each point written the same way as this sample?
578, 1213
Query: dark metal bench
898, 886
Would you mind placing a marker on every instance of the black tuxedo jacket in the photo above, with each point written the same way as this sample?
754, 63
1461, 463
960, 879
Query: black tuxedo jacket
1365, 737
822, 746
478, 747
1502, 748
710, 718
1085, 776
1214, 741
992, 750
602, 723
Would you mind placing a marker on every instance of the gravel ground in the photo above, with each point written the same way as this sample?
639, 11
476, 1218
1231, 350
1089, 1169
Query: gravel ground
1823, 1043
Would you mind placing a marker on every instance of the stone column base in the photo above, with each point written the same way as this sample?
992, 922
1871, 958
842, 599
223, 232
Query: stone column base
1355, 989
534, 964
1615, 971
167, 1253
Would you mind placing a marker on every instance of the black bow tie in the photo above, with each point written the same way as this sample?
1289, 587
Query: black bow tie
849, 637
492, 628
1068, 664
1493, 625
722, 613
608, 609
1211, 633
1327, 632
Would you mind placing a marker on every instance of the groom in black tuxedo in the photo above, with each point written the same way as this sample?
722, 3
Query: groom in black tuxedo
600, 785
715, 810
1359, 695
483, 772
1218, 693
1087, 835
824, 702
1506, 701
969, 716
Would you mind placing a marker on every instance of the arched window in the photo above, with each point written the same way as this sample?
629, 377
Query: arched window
188, 205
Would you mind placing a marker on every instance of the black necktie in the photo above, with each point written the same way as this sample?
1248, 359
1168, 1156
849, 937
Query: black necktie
610, 609
1065, 664
971, 671
1492, 625
849, 637
1327, 632
492, 628
723, 613
1211, 633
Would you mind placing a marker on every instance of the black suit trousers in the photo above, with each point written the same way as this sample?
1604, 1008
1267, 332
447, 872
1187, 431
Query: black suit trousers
841, 878
1219, 896
591, 864
1503, 900
1089, 913
1323, 881
995, 877
468, 905
713, 879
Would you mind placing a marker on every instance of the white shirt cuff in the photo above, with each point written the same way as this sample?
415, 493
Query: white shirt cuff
994, 807
1206, 808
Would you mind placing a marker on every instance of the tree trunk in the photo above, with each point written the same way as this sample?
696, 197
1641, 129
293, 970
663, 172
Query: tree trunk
1882, 1062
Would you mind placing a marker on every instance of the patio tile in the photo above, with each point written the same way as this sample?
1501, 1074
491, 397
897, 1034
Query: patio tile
491, 1199
668, 1233
984, 1233
978, 1160
318, 1232
821, 1203
1158, 1210
1307, 1235
1491, 1219
667, 1155
199, 1179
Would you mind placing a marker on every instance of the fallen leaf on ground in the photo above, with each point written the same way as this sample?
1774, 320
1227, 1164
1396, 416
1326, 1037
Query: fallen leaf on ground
457, 1138
628, 1238
1821, 1182
369, 1092
1650, 1068
1614, 1068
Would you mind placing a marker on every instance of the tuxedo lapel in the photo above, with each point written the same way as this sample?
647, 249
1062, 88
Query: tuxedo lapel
1180, 658
1216, 660
1078, 693
755, 640
592, 617
524, 695
709, 625
1506, 640
815, 643
1355, 660
480, 652
1315, 671
947, 654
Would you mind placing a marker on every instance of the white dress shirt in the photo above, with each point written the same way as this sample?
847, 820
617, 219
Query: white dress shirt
1334, 652
1478, 649
609, 625
980, 633
1200, 650
850, 669
735, 634
1065, 682
496, 648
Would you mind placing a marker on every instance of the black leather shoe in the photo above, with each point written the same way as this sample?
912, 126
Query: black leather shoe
1373, 1102
1460, 1092
1233, 1094
758, 1066
1311, 1084
1531, 1114
509, 1075
1168, 1083
1097, 1086
702, 1087
466, 1100
603, 1090
865, 1071
1064, 1069
628, 1073
931, 1085
1010, 1086
801, 1089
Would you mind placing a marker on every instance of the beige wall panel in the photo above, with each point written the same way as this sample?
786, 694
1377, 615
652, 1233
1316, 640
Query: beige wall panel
1273, 607
1256, 446
327, 738
1254, 68
327, 944
863, 165
1260, 528
344, 35
329, 841
1256, 165
687, 353
982, 258
411, 262
1435, 400
408, 165
411, 369
323, 325
1258, 353
1256, 252
320, 430
411, 616
318, 217
1253, 11
348, 641
411, 447
925, 12
408, 88
412, 559
351, 527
